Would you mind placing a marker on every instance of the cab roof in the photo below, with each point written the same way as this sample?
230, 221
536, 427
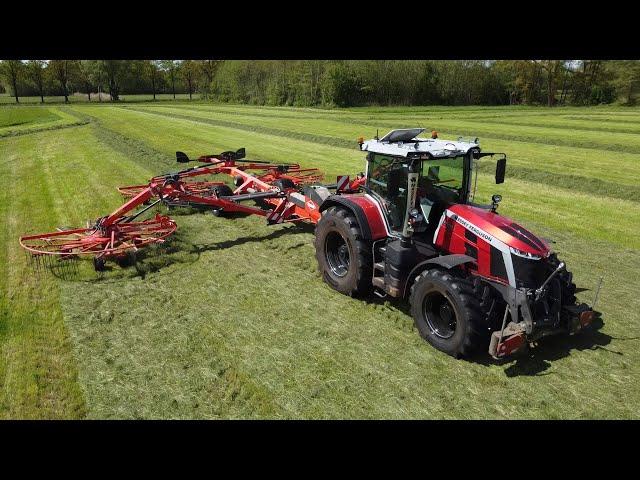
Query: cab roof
404, 142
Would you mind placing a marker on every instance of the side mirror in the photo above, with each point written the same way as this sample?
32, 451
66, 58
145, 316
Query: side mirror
181, 157
240, 154
501, 168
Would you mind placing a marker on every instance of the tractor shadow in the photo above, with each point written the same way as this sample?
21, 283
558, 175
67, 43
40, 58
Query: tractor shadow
536, 361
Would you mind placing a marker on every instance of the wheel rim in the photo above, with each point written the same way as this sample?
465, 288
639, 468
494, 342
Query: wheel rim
337, 254
440, 315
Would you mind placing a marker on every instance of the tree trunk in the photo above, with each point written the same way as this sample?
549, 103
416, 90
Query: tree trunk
41, 95
549, 90
15, 89
173, 87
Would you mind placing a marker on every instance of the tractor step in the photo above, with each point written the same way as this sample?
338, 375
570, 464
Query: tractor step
378, 282
379, 266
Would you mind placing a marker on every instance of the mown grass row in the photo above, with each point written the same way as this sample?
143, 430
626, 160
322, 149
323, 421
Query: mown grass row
616, 167
528, 201
577, 181
36, 120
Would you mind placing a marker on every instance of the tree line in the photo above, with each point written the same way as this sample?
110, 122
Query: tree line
110, 78
335, 82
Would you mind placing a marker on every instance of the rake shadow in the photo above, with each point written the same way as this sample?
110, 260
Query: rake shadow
253, 239
168, 254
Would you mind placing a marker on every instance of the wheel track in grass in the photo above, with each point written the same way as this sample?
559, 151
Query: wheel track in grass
565, 181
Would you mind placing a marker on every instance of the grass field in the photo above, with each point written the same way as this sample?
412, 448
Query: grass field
231, 319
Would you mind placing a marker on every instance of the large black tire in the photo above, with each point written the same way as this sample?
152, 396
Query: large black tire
447, 313
221, 191
284, 184
344, 256
566, 281
492, 306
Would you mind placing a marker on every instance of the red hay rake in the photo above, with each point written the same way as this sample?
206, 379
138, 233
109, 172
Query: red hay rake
119, 235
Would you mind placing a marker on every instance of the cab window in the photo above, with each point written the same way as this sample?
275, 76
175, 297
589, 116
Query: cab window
387, 176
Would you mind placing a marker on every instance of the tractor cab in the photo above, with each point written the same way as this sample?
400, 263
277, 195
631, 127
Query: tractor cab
416, 178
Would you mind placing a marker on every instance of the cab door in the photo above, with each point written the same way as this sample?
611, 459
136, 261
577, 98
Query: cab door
387, 178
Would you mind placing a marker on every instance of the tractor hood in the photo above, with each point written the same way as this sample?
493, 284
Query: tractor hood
491, 225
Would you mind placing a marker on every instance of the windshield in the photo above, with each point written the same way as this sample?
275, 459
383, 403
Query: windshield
444, 172
440, 184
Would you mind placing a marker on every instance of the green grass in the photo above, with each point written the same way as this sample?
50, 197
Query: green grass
230, 318
25, 120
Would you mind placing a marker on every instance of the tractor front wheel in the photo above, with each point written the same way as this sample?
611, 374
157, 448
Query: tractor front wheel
447, 313
344, 256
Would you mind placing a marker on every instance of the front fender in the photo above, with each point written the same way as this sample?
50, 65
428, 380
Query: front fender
445, 261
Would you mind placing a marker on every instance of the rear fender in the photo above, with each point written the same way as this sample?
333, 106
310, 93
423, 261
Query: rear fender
366, 211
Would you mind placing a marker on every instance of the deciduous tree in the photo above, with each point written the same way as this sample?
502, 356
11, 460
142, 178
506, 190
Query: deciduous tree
113, 71
60, 70
13, 71
153, 72
83, 71
189, 71
36, 71
170, 67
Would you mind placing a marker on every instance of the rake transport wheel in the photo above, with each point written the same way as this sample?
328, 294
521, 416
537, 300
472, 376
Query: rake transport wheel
447, 312
221, 191
344, 257
284, 184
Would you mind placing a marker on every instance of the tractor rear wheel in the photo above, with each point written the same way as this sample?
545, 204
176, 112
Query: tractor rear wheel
447, 313
344, 256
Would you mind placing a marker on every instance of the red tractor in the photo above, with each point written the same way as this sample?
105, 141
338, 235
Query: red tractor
412, 231
407, 228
